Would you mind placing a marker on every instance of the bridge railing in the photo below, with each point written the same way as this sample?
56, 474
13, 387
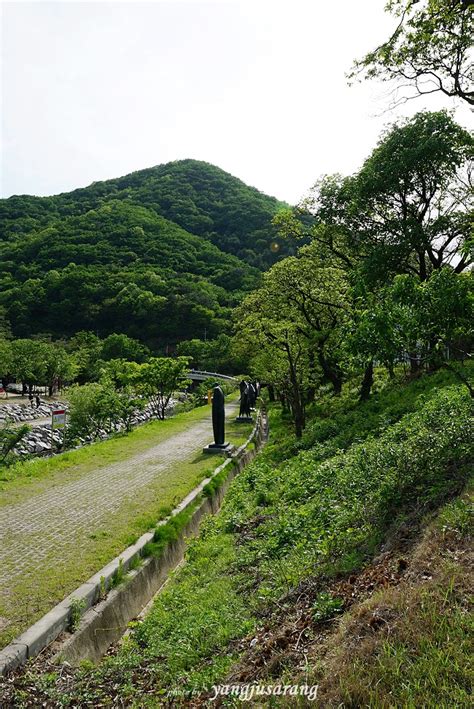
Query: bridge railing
200, 375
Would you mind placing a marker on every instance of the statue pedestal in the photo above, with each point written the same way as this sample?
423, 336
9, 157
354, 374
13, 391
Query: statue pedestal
244, 419
225, 448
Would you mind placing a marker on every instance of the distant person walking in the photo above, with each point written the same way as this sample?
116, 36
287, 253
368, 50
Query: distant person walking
38, 401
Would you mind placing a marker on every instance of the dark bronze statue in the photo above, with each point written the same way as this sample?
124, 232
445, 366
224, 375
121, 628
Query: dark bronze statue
218, 415
252, 395
244, 399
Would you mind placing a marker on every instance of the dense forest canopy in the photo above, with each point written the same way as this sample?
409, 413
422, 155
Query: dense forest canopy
201, 198
162, 255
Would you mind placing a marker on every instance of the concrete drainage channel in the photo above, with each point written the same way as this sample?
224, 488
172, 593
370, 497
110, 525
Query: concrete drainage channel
105, 610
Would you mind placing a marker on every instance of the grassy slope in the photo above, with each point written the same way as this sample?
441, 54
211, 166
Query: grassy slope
266, 578
410, 645
51, 581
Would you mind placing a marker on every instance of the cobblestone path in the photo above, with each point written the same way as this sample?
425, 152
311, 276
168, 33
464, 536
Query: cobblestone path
36, 530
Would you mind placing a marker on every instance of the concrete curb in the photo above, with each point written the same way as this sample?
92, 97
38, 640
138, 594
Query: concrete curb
141, 585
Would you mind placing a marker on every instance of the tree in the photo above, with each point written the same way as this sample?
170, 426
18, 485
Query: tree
119, 373
409, 208
120, 376
285, 325
412, 200
29, 361
86, 349
215, 355
272, 332
5, 358
427, 321
5, 328
430, 50
334, 281
38, 363
407, 211
317, 297
120, 346
159, 378
60, 367
10, 437
196, 350
94, 408
437, 315
372, 335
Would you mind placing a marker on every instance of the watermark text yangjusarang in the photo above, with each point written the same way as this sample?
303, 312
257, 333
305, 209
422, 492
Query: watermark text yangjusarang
246, 692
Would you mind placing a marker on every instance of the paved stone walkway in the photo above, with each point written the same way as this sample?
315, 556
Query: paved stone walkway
35, 530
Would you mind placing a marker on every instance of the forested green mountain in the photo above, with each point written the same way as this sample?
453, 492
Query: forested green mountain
162, 254
200, 197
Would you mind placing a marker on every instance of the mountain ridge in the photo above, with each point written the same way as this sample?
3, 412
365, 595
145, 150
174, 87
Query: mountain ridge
162, 254
202, 198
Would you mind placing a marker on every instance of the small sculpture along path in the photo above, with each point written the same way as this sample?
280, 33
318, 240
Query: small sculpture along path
58, 525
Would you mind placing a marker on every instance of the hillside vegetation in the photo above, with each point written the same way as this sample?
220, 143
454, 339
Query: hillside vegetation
162, 254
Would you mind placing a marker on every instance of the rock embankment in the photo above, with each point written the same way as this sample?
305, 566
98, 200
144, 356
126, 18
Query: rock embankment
23, 413
40, 440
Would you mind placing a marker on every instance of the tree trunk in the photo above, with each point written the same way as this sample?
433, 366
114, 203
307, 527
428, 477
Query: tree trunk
433, 365
367, 382
271, 392
299, 424
331, 372
311, 390
435, 360
422, 264
297, 400
415, 365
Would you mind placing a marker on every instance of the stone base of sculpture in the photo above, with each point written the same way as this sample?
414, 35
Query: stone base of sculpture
244, 419
219, 448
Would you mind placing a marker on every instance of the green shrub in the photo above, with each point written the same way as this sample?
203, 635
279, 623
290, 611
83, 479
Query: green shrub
326, 606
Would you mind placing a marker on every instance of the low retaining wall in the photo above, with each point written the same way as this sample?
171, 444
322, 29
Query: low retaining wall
106, 620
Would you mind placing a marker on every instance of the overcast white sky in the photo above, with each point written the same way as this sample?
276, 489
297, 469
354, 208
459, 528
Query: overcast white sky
94, 90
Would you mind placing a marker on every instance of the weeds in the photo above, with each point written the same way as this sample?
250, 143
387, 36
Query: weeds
118, 575
456, 518
102, 588
77, 607
326, 606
